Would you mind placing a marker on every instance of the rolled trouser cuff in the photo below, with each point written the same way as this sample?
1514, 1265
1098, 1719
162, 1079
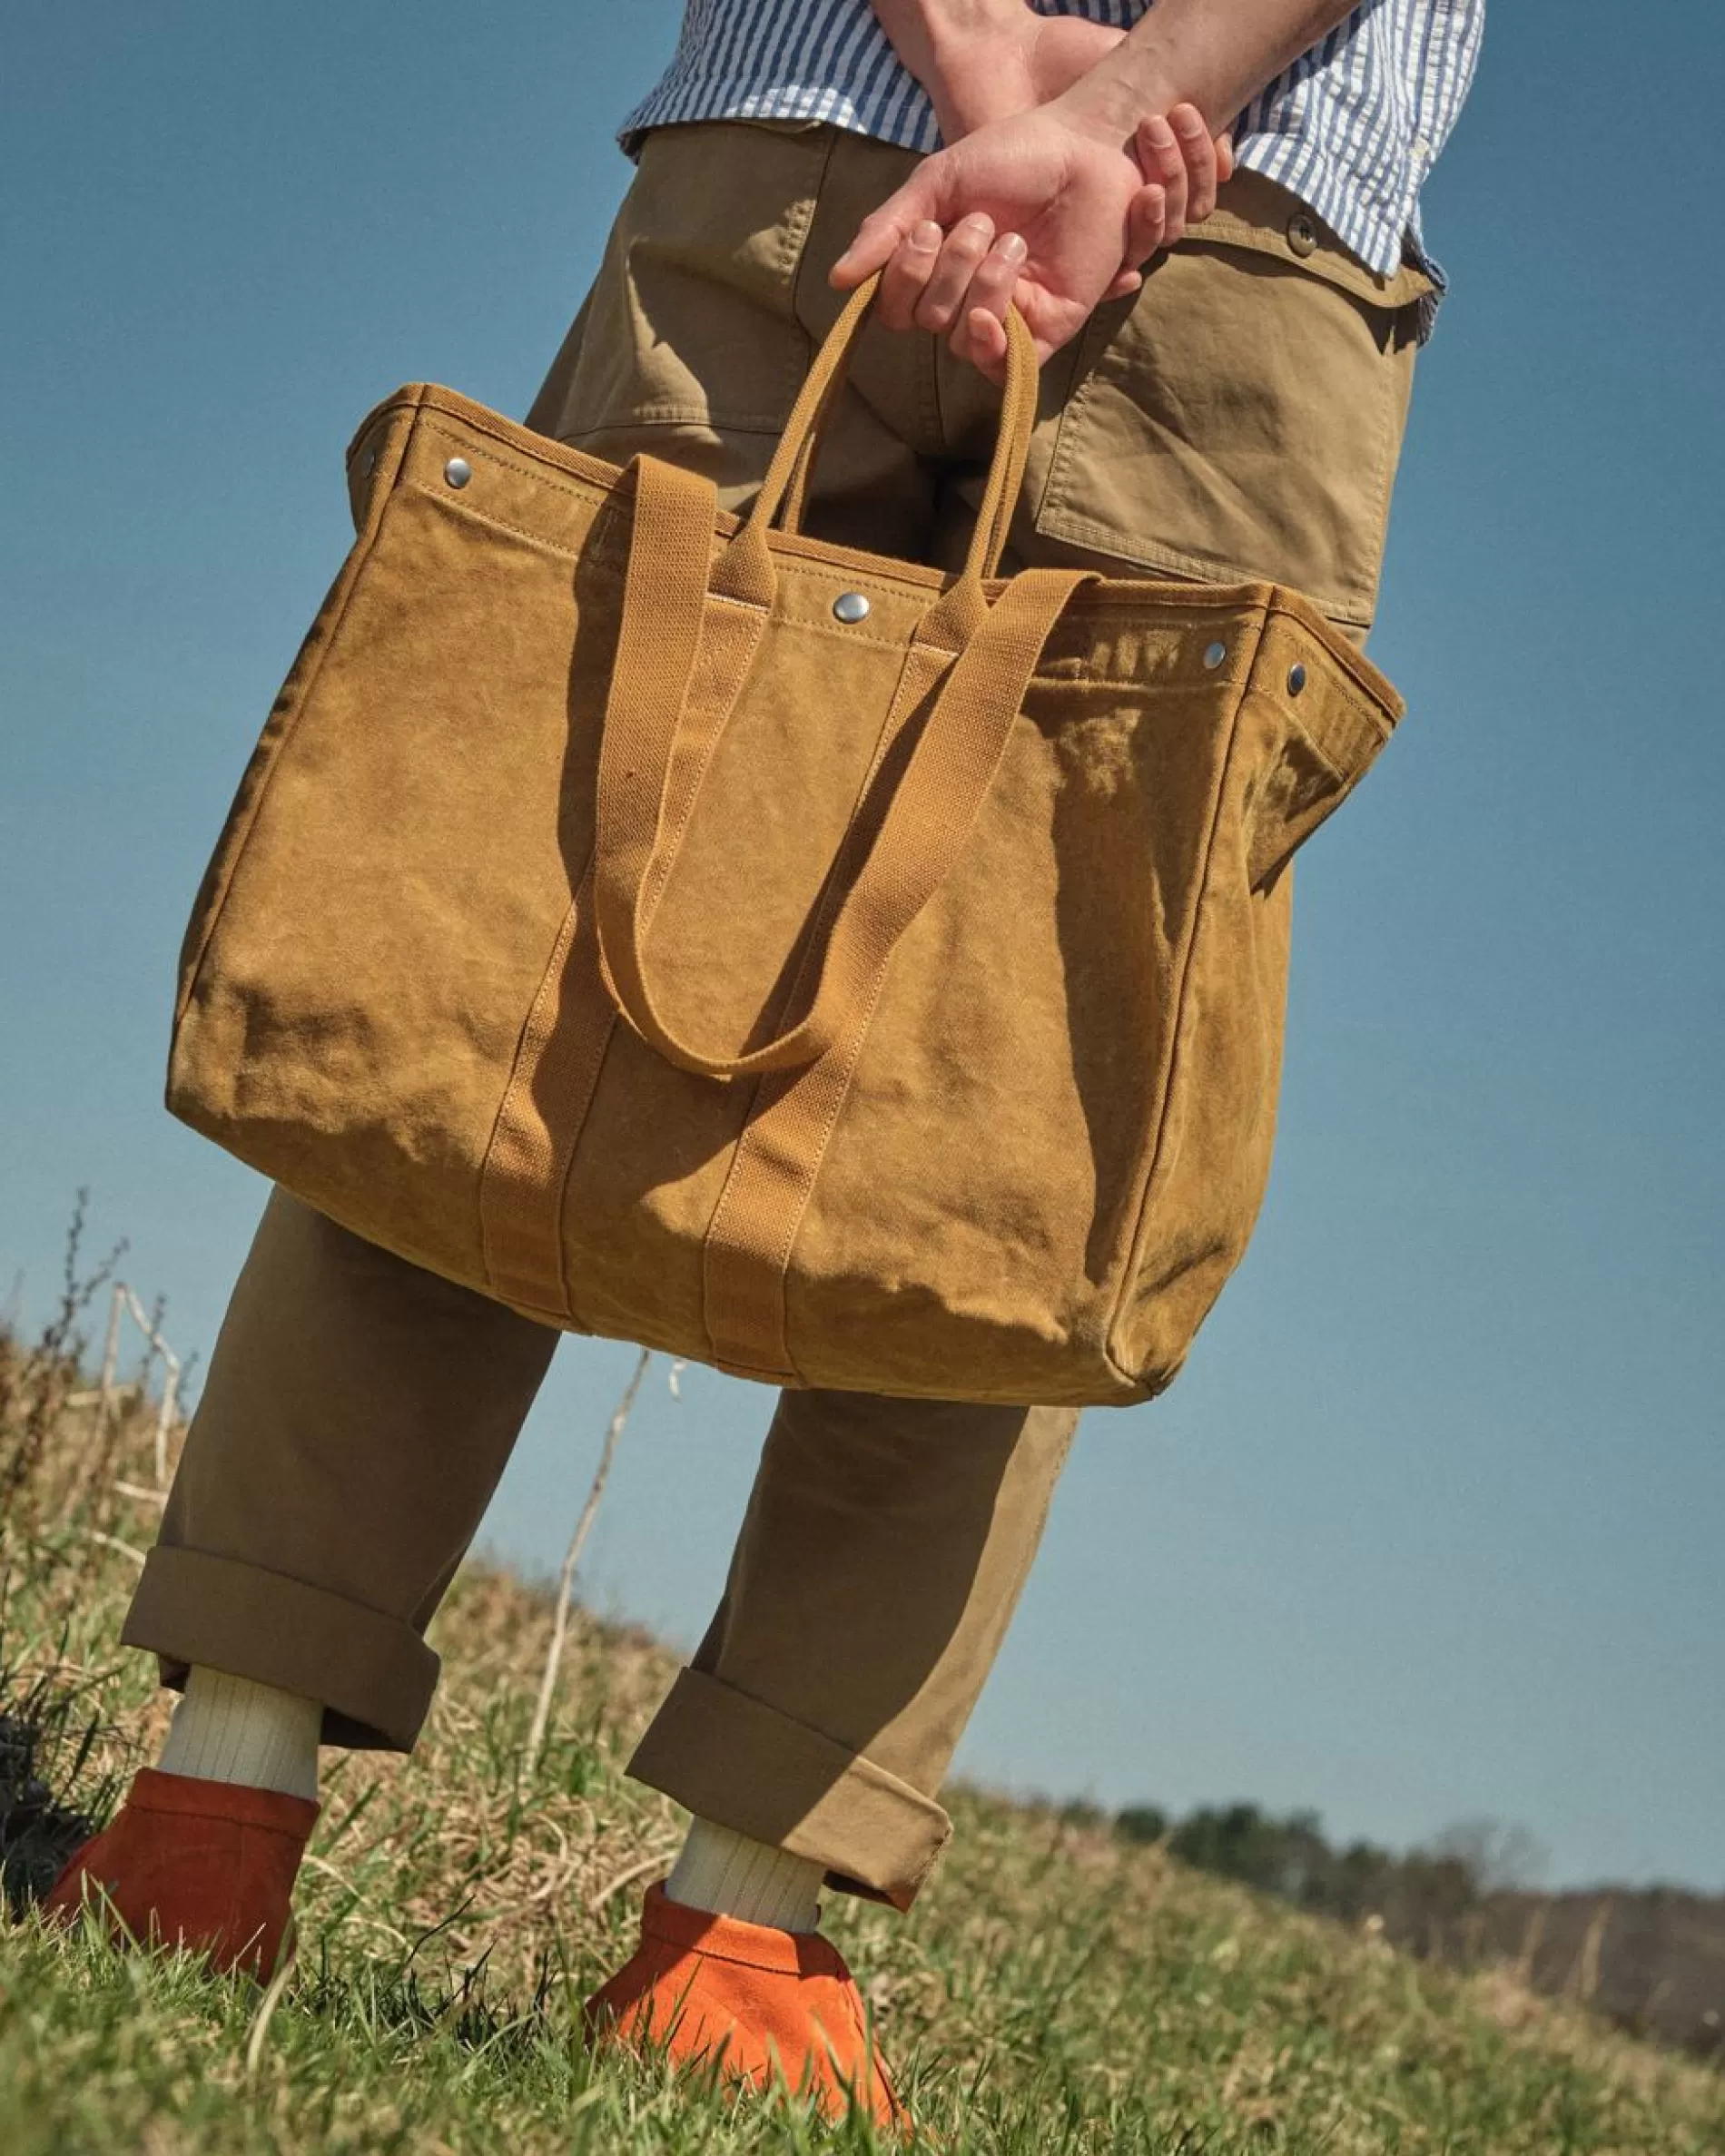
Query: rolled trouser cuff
373, 1675
735, 1760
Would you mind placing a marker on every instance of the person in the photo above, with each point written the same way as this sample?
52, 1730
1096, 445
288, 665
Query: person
1207, 212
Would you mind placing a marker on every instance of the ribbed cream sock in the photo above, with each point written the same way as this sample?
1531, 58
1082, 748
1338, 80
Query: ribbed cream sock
229, 1730
734, 1876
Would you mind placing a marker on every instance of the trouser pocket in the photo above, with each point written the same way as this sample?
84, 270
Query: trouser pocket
1241, 415
690, 321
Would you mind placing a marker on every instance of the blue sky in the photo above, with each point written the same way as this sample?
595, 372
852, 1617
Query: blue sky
1434, 1525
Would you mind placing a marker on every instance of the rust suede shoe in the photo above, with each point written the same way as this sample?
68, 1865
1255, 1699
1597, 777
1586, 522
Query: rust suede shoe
754, 2002
206, 1867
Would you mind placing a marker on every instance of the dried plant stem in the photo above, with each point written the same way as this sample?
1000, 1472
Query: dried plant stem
1532, 1939
110, 1355
1586, 1976
572, 1557
260, 2030
141, 1493
170, 1379
114, 1543
110, 1398
630, 1872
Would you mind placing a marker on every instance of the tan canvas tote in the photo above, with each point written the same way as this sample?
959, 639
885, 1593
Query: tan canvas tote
684, 930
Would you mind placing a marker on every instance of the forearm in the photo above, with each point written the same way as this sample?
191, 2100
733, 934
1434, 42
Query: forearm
975, 57
1216, 55
961, 51
929, 35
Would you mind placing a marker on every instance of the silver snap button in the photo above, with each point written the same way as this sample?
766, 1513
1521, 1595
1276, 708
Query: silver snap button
1213, 654
852, 605
457, 471
1295, 678
1301, 233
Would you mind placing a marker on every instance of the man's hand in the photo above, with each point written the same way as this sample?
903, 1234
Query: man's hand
1071, 205
1121, 159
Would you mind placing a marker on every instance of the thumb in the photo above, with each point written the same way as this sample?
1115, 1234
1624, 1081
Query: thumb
879, 234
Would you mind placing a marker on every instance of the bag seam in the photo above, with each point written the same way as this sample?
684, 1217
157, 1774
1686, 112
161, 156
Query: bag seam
882, 748
675, 415
1178, 1021
1206, 597
527, 460
559, 961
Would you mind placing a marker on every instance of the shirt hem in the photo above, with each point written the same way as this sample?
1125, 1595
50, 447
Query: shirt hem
1383, 238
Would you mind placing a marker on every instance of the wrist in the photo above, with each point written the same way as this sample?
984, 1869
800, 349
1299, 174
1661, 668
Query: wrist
979, 67
1125, 87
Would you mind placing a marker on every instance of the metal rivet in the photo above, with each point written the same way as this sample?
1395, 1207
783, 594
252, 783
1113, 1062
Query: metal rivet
457, 471
1213, 654
1295, 678
850, 605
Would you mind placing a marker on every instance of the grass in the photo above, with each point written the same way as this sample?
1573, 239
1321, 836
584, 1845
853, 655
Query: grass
1055, 1990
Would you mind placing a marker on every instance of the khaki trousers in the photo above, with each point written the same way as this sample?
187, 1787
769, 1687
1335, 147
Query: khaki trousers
1240, 417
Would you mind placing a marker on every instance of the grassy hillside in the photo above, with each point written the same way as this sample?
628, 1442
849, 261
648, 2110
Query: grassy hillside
1055, 1989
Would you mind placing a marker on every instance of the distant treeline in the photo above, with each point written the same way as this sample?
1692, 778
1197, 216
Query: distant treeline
1651, 1960
1411, 1894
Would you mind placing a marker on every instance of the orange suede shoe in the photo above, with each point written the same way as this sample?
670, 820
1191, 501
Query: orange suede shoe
206, 1867
753, 2001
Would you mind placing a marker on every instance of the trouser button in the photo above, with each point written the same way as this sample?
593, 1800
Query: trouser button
1301, 233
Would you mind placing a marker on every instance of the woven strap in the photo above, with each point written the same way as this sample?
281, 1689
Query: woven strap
650, 715
930, 816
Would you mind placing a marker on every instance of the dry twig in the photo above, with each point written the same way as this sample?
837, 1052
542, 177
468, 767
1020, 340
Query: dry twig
114, 1543
629, 1874
170, 1363
566, 1581
141, 1492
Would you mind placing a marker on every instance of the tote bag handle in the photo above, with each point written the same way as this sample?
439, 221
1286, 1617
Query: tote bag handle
819, 393
939, 792
745, 571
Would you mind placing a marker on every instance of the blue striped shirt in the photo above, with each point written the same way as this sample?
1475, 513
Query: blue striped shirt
1351, 128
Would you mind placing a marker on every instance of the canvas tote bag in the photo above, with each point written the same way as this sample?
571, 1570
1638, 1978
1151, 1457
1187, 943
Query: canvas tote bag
684, 930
